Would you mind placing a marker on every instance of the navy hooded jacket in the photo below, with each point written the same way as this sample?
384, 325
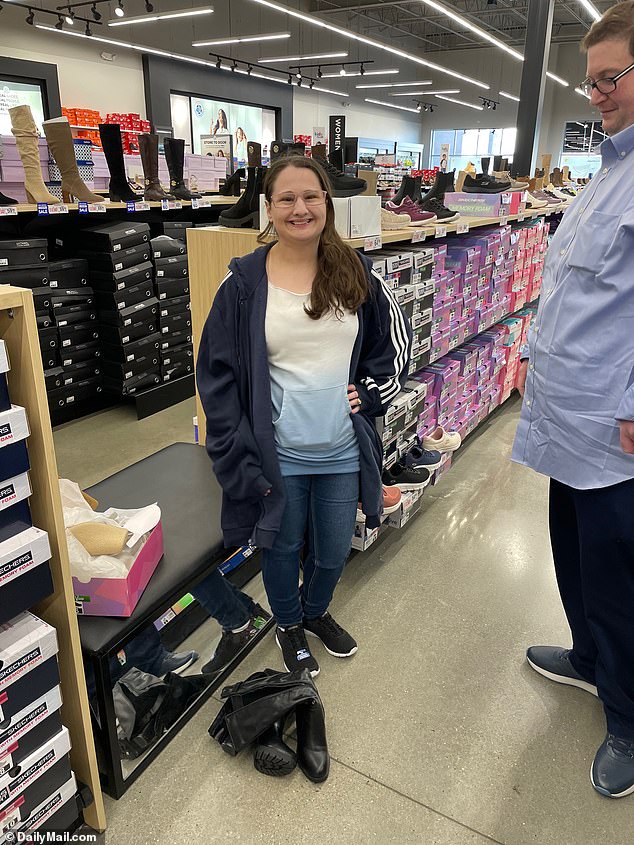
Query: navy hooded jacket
232, 374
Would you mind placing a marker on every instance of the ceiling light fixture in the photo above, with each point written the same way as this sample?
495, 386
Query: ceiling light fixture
378, 45
290, 79
426, 93
163, 16
557, 79
120, 11
319, 73
249, 70
481, 33
284, 59
95, 13
234, 66
241, 39
590, 9
69, 17
509, 96
148, 6
30, 18
395, 84
459, 102
364, 74
312, 82
391, 105
60, 22
218, 62
88, 30
342, 72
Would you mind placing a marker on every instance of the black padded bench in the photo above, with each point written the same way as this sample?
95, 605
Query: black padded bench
181, 480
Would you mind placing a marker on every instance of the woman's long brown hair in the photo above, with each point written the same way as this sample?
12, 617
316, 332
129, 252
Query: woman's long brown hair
341, 282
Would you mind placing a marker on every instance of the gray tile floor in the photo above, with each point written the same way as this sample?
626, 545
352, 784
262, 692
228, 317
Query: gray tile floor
439, 732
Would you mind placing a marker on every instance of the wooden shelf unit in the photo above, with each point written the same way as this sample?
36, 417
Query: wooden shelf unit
18, 329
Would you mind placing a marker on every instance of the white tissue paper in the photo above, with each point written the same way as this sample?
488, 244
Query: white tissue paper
138, 521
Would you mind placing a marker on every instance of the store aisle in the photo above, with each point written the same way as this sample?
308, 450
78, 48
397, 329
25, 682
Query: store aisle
439, 732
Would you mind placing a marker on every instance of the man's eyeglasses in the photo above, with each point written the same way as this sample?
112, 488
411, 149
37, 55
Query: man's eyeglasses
605, 85
308, 197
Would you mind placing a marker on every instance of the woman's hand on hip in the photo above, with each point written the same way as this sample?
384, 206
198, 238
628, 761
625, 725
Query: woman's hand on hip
354, 399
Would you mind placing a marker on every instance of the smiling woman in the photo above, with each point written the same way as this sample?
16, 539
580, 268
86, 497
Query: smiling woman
303, 346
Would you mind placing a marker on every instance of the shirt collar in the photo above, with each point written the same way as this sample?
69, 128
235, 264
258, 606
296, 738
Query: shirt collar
620, 144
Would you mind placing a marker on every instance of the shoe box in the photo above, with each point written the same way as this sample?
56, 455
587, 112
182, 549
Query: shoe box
26, 277
114, 262
122, 279
132, 385
133, 351
77, 333
171, 341
57, 812
34, 725
73, 373
5, 402
49, 345
173, 267
82, 352
66, 315
178, 356
15, 519
69, 273
144, 310
22, 253
111, 238
13, 425
40, 774
171, 288
43, 322
175, 323
137, 327
355, 217
119, 299
121, 371
78, 391
411, 502
25, 576
364, 537
177, 230
177, 305
165, 247
41, 299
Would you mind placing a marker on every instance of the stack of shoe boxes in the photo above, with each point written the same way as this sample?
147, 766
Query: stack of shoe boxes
37, 787
122, 276
172, 291
73, 311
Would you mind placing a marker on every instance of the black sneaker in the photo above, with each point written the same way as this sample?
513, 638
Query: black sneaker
406, 478
295, 651
484, 184
436, 206
342, 185
336, 640
229, 646
177, 662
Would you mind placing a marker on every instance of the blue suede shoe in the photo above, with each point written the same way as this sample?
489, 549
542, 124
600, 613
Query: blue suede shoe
612, 771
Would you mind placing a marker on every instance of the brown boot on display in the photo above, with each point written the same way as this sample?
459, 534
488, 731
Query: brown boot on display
254, 154
318, 151
175, 158
60, 143
555, 178
148, 147
25, 131
462, 175
119, 190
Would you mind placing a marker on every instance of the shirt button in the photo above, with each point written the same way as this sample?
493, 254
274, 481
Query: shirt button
622, 155
562, 252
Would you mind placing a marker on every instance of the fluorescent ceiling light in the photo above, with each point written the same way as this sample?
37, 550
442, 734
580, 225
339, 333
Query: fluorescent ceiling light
460, 102
438, 7
378, 45
391, 105
425, 93
284, 59
241, 39
395, 84
179, 57
583, 93
162, 16
509, 96
358, 73
590, 9
557, 79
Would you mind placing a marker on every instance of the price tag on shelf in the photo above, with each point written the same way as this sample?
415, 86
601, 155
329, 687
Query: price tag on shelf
503, 221
418, 236
375, 242
462, 228
8, 211
138, 206
441, 231
44, 208
171, 205
91, 207
204, 203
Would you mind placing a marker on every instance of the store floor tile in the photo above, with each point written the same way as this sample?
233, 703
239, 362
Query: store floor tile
438, 730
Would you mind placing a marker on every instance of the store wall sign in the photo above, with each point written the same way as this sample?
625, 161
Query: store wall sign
337, 132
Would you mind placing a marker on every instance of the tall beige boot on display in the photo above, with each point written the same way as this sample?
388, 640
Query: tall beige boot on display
25, 132
60, 143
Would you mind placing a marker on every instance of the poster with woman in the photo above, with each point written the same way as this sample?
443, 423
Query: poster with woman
218, 118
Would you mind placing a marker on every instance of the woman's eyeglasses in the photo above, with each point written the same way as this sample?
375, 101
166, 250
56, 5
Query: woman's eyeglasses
605, 85
308, 197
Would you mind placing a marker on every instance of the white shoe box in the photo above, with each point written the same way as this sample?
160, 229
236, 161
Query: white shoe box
13, 425
357, 217
42, 813
410, 506
25, 642
14, 490
28, 718
23, 552
4, 358
34, 767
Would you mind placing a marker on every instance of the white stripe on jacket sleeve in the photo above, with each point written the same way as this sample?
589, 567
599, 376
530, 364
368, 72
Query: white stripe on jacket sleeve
391, 387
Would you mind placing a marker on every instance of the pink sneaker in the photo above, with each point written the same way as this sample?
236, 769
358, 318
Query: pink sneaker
415, 214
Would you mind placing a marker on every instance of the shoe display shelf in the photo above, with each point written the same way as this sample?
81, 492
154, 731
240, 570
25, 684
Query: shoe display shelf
211, 250
46, 720
54, 209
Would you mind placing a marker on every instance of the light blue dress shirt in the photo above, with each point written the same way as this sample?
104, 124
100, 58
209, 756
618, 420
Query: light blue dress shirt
581, 345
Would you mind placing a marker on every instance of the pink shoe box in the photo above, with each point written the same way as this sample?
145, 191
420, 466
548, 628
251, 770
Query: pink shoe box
455, 310
467, 360
446, 373
463, 261
440, 292
15, 190
14, 172
512, 326
439, 345
439, 265
11, 155
119, 596
483, 285
440, 318
454, 285
456, 335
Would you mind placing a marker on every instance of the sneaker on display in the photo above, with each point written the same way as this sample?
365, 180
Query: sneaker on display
442, 441
417, 216
391, 502
429, 459
437, 207
406, 478
177, 662
537, 202
390, 220
336, 640
484, 184
295, 651
505, 176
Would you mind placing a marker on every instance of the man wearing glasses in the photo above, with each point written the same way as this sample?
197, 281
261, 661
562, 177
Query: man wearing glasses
577, 421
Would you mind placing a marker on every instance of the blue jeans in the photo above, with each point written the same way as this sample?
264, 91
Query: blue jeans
323, 507
228, 605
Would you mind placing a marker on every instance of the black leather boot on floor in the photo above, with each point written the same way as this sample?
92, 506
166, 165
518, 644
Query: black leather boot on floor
272, 755
312, 749
175, 158
118, 190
